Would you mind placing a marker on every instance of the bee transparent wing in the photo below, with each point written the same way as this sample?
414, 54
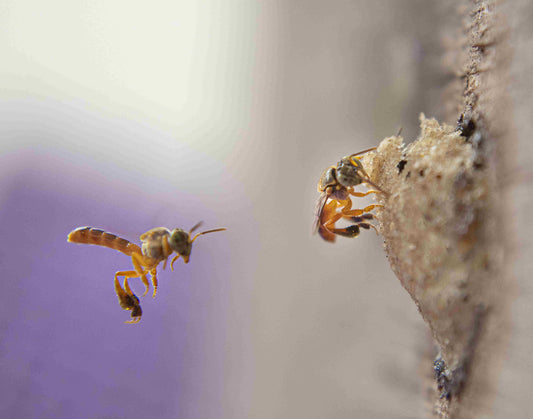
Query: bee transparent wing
154, 234
319, 209
194, 227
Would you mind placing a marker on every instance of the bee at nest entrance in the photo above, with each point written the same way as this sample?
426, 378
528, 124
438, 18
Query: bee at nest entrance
337, 186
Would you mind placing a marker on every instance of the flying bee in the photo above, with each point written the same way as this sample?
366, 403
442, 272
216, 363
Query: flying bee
158, 244
337, 185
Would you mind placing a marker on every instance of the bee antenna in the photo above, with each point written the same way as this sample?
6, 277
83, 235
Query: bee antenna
206, 232
198, 224
363, 152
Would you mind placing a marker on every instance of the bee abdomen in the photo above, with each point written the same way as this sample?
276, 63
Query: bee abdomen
90, 235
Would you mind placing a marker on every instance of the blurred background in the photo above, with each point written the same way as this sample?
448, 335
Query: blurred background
126, 116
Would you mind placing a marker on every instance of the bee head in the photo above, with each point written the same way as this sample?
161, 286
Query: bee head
180, 242
348, 171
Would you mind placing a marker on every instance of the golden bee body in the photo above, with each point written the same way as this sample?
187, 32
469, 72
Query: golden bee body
337, 186
157, 245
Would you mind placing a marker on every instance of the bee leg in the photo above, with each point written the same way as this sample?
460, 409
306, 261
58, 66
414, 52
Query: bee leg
136, 260
357, 212
361, 222
360, 216
350, 231
136, 315
324, 213
126, 275
325, 228
128, 301
346, 204
326, 234
347, 210
153, 272
132, 274
174, 259
361, 194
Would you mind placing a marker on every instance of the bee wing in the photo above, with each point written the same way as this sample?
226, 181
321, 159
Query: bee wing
154, 233
194, 227
319, 209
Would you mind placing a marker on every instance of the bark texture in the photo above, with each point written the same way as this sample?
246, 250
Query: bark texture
443, 221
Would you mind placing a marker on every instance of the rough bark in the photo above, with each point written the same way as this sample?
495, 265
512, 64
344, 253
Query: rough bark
443, 221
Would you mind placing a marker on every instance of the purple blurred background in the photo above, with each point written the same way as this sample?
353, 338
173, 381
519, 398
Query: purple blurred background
125, 117
65, 349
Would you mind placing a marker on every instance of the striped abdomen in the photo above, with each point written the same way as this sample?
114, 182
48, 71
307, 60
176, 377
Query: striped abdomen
90, 235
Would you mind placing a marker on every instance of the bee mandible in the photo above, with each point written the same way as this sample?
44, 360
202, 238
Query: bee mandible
158, 244
337, 185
